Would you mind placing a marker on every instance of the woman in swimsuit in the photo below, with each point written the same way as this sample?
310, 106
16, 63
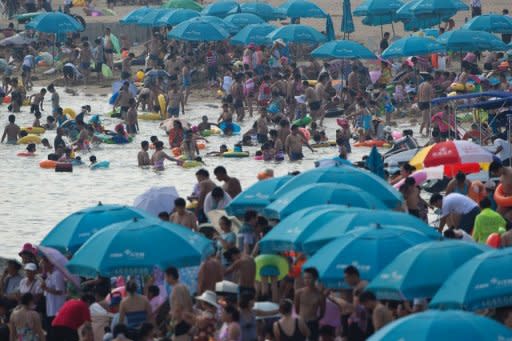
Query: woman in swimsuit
25, 323
158, 157
289, 328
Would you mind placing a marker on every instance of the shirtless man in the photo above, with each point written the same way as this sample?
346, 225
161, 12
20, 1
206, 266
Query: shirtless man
314, 102
143, 156
310, 303
231, 185
293, 144
205, 186
132, 123
175, 101
181, 305
55, 98
11, 131
123, 100
183, 217
283, 131
245, 267
425, 95
186, 79
237, 91
158, 157
154, 50
505, 173
322, 95
108, 49
36, 102
126, 66
411, 194
85, 59
210, 272
262, 126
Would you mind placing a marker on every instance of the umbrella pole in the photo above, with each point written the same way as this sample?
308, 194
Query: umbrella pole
381, 31
393, 29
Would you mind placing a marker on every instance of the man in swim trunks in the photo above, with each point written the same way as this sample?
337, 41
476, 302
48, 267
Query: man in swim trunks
425, 95
186, 78
181, 305
496, 169
108, 48
123, 100
175, 101
143, 156
310, 303
245, 266
237, 91
11, 131
293, 144
314, 102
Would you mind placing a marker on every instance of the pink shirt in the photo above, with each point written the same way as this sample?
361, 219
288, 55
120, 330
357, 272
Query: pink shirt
441, 122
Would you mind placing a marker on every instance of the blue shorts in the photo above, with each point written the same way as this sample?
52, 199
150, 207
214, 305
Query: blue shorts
296, 156
173, 112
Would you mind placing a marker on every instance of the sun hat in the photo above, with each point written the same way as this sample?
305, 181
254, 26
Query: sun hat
208, 297
226, 287
251, 46
28, 248
30, 267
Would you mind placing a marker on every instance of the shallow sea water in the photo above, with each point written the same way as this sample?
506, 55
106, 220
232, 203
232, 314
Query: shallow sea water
33, 200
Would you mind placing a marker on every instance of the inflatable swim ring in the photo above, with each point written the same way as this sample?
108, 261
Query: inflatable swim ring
457, 87
305, 133
113, 139
113, 114
34, 130
324, 144
263, 175
25, 154
201, 145
100, 165
271, 266
149, 116
29, 139
191, 205
235, 154
303, 121
258, 157
48, 164
501, 199
312, 82
210, 132
371, 143
106, 71
234, 127
163, 105
70, 113
7, 100
191, 164
176, 151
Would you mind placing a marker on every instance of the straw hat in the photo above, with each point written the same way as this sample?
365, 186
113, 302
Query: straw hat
208, 297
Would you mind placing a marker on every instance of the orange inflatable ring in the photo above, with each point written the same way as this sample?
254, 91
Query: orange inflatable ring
48, 164
201, 145
477, 191
7, 100
501, 199
176, 151
371, 143
25, 154
263, 175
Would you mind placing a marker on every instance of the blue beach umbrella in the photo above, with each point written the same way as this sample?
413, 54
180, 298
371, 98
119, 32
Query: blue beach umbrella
329, 29
261, 9
256, 197
414, 21
375, 163
72, 232
481, 283
302, 9
54, 22
342, 49
354, 218
134, 16
185, 4
151, 19
292, 231
256, 34
437, 7
177, 16
230, 28
490, 23
377, 7
321, 194
221, 8
352, 176
347, 23
369, 249
136, 246
466, 40
243, 19
379, 20
443, 326
412, 46
404, 278
194, 30
297, 33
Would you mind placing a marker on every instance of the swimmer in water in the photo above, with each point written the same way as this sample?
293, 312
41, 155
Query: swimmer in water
11, 131
222, 149
93, 160
31, 148
46, 143
37, 120
158, 157
143, 156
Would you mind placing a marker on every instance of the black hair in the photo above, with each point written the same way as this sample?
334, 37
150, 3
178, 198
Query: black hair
435, 198
285, 306
144, 144
351, 270
154, 290
131, 287
250, 214
173, 272
231, 310
120, 329
163, 215
27, 298
88, 298
145, 329
220, 170
410, 181
226, 220
495, 166
485, 203
180, 202
218, 192
203, 172
460, 177
312, 271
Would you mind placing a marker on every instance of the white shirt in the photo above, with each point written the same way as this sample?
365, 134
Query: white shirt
504, 154
210, 204
476, 3
34, 288
226, 84
29, 61
457, 203
55, 281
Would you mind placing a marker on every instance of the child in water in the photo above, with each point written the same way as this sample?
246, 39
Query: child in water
11, 131
37, 122
46, 143
93, 161
222, 149
31, 148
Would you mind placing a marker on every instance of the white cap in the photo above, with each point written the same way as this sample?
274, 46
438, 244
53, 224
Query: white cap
30, 267
209, 297
226, 287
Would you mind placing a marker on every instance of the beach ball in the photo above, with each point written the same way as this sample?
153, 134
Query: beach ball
494, 240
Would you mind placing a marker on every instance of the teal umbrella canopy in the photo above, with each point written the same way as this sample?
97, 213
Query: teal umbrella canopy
255, 34
302, 9
494, 23
443, 326
342, 49
197, 30
321, 194
256, 197
369, 249
347, 22
412, 46
72, 232
221, 8
135, 247
152, 18
261, 9
437, 7
297, 33
177, 16
470, 41
54, 22
185, 4
243, 19
404, 278
377, 8
481, 283
134, 16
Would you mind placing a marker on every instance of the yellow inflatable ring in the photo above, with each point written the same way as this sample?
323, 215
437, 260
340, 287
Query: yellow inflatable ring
191, 164
29, 139
271, 266
235, 154
324, 144
69, 113
149, 116
34, 130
